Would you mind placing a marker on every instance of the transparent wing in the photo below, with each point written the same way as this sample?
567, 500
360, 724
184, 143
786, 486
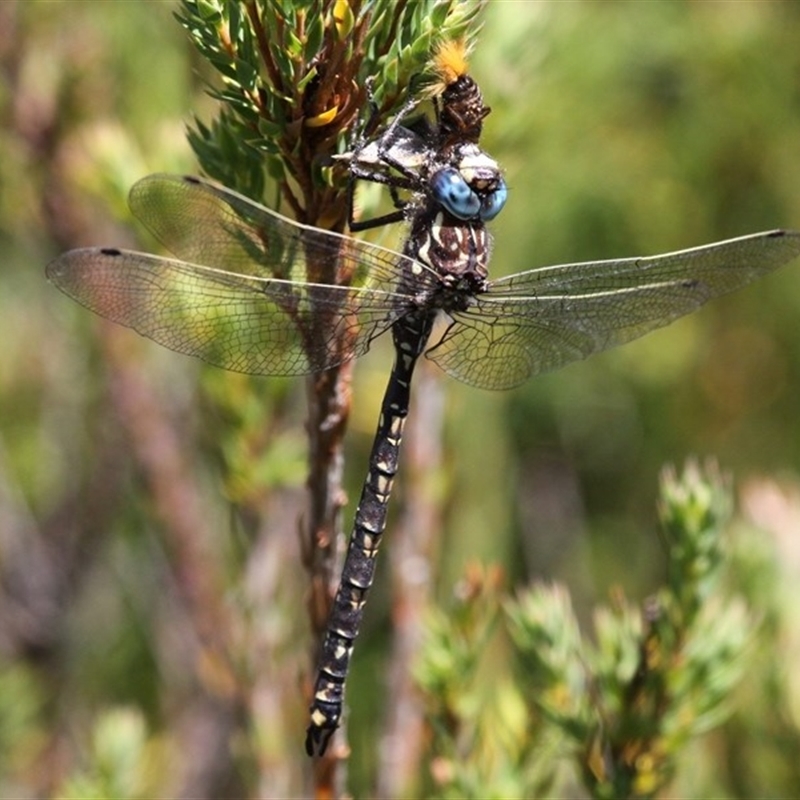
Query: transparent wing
248, 296
238, 322
204, 223
542, 319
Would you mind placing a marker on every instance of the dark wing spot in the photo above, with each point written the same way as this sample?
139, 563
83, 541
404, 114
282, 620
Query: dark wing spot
110, 251
190, 179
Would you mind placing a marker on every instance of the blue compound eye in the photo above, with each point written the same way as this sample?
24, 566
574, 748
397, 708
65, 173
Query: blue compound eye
493, 203
452, 191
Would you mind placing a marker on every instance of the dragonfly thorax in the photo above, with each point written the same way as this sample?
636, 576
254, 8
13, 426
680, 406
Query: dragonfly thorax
450, 246
458, 292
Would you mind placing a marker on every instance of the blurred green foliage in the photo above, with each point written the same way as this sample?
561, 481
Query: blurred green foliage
620, 706
149, 505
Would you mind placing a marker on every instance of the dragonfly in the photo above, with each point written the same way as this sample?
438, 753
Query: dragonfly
243, 293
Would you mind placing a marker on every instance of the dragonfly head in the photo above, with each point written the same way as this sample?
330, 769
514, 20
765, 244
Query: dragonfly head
470, 187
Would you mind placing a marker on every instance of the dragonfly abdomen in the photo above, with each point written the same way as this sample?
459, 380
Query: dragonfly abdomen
410, 338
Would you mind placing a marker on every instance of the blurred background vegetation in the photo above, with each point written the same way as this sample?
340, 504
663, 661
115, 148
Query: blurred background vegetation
132, 479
